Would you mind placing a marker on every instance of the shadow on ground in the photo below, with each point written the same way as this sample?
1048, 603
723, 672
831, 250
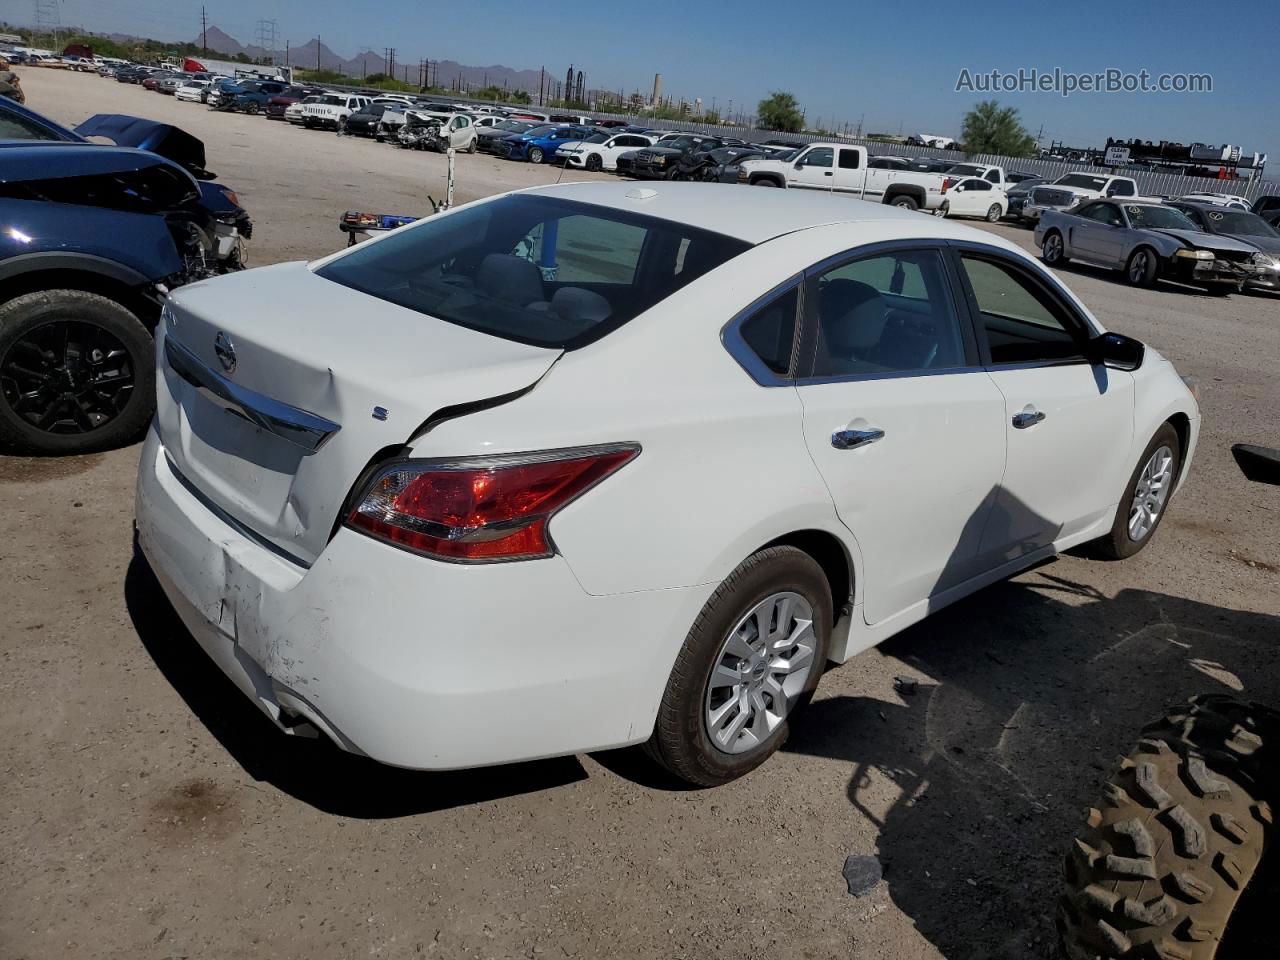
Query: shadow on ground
313, 771
1030, 691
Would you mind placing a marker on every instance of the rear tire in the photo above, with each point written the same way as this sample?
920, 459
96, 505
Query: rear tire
1141, 491
682, 741
904, 202
82, 417
1162, 863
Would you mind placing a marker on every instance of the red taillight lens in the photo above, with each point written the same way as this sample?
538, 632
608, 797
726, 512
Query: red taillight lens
946, 184
481, 508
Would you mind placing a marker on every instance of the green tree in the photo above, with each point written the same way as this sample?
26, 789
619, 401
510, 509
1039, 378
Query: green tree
780, 111
991, 128
711, 116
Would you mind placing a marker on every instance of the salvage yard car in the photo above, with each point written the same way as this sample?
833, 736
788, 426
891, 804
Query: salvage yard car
1248, 228
330, 109
539, 144
1148, 241
601, 151
1071, 188
480, 537
843, 168
974, 197
96, 236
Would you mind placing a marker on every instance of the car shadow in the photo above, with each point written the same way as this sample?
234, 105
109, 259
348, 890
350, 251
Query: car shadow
1028, 692
313, 771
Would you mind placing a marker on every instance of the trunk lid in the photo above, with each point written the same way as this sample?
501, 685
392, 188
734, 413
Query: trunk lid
277, 387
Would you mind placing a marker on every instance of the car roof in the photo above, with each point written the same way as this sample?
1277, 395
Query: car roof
752, 215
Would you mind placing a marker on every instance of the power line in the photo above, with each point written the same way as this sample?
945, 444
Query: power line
265, 35
48, 18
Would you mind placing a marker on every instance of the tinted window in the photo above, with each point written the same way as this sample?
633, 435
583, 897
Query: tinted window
1240, 223
14, 127
848, 159
1121, 188
1158, 217
884, 314
771, 330
977, 185
819, 157
1024, 323
1082, 180
534, 269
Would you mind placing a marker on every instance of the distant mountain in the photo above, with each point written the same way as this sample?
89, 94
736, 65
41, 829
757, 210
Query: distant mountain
314, 53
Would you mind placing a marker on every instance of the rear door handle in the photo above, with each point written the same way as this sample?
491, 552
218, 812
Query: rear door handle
848, 439
1027, 418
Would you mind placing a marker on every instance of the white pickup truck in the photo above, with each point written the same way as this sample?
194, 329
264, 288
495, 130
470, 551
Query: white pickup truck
843, 168
1071, 188
331, 109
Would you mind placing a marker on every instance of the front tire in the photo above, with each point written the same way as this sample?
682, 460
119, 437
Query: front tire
76, 373
535, 154
594, 163
764, 182
1142, 268
1051, 251
1146, 498
752, 658
993, 213
252, 108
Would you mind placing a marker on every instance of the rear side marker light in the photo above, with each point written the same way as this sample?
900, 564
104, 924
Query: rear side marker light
481, 509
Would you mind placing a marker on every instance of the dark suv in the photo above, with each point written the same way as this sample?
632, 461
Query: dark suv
672, 157
252, 96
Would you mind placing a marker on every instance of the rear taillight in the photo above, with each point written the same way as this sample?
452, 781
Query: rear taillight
946, 184
481, 508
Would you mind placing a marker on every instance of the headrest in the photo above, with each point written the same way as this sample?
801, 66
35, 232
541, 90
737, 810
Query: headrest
509, 278
852, 315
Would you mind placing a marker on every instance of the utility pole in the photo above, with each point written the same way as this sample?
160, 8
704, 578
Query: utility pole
204, 32
317, 53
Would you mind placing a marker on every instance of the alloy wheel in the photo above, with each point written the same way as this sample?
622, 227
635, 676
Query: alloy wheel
1138, 267
1053, 248
67, 377
1151, 494
762, 667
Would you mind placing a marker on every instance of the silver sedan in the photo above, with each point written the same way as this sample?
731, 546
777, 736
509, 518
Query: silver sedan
1146, 240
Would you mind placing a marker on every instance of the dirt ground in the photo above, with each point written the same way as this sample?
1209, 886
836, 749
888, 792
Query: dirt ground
149, 811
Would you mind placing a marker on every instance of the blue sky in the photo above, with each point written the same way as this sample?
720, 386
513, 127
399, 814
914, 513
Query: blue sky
894, 65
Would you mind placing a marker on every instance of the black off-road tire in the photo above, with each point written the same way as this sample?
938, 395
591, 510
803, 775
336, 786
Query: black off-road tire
1117, 544
680, 742
1161, 864
23, 314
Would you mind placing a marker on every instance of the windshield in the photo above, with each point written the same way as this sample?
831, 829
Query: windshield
513, 126
540, 131
967, 169
537, 270
331, 100
1239, 222
1149, 216
598, 138
1081, 180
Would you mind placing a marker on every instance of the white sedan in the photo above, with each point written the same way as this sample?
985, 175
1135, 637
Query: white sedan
601, 151
594, 465
974, 197
192, 90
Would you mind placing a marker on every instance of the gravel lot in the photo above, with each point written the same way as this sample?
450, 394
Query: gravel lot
149, 811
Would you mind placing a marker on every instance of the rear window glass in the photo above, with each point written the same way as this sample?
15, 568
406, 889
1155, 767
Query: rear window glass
537, 270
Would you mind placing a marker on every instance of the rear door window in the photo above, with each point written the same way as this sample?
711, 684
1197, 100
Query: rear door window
886, 314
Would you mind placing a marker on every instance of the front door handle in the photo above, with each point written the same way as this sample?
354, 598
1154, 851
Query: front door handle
848, 439
1027, 418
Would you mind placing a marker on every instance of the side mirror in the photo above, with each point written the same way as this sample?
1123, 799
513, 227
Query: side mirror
800, 163
1117, 350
